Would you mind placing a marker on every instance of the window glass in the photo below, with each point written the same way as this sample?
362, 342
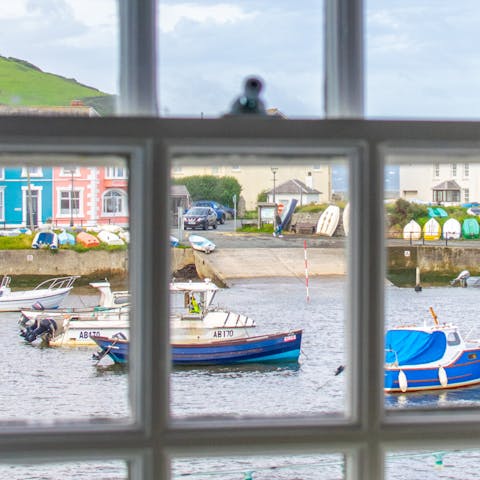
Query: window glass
94, 470
451, 464
432, 232
59, 58
54, 230
421, 59
306, 467
272, 260
208, 48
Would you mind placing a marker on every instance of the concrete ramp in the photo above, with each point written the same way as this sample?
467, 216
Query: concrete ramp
232, 263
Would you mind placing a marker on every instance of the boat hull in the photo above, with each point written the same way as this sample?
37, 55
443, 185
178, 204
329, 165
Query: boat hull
463, 372
282, 347
15, 301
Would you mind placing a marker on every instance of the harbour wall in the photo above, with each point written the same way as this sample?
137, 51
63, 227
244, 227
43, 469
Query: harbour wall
63, 262
231, 263
433, 259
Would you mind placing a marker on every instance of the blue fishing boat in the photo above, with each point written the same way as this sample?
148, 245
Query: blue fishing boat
270, 348
434, 357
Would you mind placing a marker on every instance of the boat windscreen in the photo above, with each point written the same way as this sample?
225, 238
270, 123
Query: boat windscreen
414, 347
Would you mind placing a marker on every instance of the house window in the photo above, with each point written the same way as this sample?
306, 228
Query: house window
466, 195
437, 170
70, 202
115, 172
453, 168
33, 171
115, 203
466, 170
69, 171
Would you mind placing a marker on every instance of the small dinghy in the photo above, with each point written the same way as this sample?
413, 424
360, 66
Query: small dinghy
46, 240
87, 240
65, 238
201, 244
110, 238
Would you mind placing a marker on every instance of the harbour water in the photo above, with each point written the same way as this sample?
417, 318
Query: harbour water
51, 384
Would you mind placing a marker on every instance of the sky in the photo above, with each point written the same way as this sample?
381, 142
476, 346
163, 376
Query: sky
421, 56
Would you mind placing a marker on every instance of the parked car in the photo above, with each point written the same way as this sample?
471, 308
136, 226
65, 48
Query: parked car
229, 211
221, 215
200, 217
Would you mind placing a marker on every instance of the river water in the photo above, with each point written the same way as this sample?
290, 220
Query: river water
47, 384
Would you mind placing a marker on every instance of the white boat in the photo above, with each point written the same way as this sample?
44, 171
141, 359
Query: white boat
328, 221
201, 244
452, 229
48, 294
432, 230
194, 318
110, 238
346, 219
108, 301
412, 231
74, 327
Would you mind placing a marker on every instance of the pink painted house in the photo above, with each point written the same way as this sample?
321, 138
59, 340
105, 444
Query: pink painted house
88, 196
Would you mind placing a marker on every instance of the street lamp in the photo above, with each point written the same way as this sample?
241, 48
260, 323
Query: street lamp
274, 171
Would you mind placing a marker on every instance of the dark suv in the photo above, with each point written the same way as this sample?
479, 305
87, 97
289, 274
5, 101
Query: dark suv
200, 217
221, 215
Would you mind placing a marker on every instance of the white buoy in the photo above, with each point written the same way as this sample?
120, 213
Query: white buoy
402, 381
442, 376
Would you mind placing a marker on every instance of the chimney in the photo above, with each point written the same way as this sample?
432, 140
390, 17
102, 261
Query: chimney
309, 180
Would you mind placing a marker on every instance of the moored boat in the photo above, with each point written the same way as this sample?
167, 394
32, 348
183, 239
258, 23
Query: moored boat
270, 348
49, 294
46, 239
434, 357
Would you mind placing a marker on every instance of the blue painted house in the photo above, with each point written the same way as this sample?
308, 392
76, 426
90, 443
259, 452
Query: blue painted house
22, 191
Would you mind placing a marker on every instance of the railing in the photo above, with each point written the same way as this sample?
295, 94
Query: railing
58, 282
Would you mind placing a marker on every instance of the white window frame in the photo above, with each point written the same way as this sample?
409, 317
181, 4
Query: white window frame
67, 189
367, 432
124, 210
112, 173
2, 203
35, 172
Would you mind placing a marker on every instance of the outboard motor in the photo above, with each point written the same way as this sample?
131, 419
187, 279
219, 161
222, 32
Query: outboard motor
45, 326
461, 279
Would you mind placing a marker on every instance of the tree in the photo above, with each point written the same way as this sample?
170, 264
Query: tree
209, 187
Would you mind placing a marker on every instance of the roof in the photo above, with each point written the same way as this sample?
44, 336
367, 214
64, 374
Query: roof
448, 185
179, 191
68, 111
294, 186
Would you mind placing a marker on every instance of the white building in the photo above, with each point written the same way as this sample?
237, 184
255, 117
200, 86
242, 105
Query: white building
256, 178
446, 181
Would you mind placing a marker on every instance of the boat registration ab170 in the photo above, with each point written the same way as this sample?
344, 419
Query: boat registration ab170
88, 334
223, 334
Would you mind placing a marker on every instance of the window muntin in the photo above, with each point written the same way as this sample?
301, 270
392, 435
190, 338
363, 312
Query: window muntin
70, 202
115, 172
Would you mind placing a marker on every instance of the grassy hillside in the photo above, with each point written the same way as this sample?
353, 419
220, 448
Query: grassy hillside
24, 84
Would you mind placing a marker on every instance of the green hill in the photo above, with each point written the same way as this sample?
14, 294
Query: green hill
24, 84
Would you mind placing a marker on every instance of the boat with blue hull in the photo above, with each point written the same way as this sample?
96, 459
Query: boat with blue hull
434, 357
269, 348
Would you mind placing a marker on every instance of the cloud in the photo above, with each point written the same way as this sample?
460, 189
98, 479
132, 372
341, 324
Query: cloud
221, 13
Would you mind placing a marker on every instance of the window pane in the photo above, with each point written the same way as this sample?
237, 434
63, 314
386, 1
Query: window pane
451, 464
53, 227
422, 69
306, 467
59, 59
431, 351
262, 281
208, 49
98, 470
